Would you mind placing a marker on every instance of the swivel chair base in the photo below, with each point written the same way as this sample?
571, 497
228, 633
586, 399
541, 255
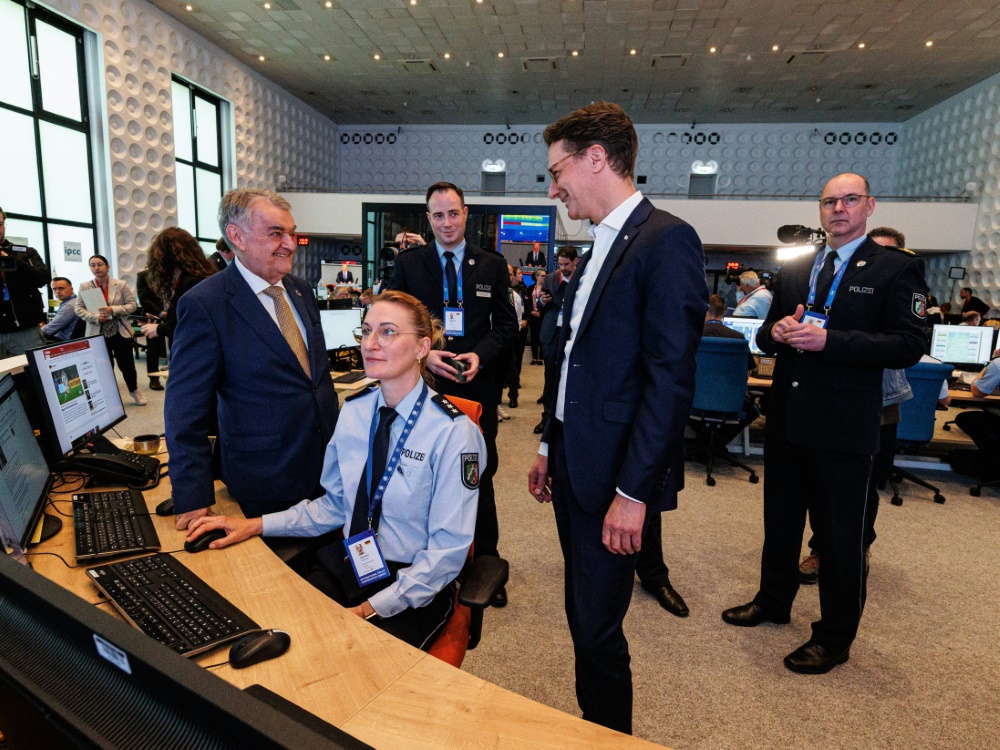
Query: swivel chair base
898, 475
710, 451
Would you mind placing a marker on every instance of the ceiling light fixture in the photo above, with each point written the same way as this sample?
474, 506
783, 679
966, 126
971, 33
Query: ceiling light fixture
631, 51
267, 6
499, 54
188, 8
712, 50
774, 48
328, 4
929, 43
447, 55
261, 58
326, 57
377, 56
575, 53
861, 45
413, 2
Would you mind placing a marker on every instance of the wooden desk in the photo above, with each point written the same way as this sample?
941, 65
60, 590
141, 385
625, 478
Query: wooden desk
965, 398
343, 669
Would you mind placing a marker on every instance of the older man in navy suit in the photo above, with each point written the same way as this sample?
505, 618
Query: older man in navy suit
613, 443
249, 356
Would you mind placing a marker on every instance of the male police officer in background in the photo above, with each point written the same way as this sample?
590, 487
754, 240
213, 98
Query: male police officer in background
22, 272
838, 318
467, 288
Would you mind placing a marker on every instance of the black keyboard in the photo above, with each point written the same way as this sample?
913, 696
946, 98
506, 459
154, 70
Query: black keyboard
350, 377
960, 385
168, 602
112, 523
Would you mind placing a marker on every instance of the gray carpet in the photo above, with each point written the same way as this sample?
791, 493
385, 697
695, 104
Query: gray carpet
923, 672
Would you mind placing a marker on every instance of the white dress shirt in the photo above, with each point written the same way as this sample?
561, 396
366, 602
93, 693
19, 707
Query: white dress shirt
258, 285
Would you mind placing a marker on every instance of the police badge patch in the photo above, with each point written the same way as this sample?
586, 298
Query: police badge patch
919, 306
470, 470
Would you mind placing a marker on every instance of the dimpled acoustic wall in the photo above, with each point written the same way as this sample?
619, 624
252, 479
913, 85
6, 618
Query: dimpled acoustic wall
947, 147
275, 133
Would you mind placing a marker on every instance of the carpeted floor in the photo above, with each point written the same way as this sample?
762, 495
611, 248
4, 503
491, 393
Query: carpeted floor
924, 671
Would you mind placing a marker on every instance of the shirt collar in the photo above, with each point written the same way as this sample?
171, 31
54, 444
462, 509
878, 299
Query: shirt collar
257, 284
404, 407
846, 251
617, 218
68, 299
459, 252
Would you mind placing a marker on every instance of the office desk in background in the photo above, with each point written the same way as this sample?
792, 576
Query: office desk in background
340, 667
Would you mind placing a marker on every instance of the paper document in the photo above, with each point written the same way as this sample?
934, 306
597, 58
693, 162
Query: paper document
93, 299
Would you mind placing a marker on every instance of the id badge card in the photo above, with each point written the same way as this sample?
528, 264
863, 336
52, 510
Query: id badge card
559, 320
814, 318
366, 558
454, 321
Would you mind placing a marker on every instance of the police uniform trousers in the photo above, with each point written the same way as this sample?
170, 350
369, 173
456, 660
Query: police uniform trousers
598, 592
833, 488
482, 389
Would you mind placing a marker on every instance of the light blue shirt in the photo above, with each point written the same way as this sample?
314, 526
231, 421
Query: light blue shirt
459, 254
990, 378
754, 305
428, 511
63, 322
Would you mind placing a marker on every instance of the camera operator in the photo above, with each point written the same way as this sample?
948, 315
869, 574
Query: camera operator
22, 272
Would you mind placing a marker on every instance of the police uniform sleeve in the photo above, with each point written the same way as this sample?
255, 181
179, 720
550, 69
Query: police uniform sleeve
457, 460
314, 517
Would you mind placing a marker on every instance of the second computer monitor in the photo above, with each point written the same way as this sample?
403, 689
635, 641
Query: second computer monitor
748, 327
338, 327
962, 345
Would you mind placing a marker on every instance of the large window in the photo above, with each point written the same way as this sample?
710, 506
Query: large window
46, 181
199, 157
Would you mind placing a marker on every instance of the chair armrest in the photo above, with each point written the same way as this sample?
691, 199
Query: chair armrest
481, 579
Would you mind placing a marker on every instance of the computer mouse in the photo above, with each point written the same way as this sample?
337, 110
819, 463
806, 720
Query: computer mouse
166, 508
258, 647
201, 543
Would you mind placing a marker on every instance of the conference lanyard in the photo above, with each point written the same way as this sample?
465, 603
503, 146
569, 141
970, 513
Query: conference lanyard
458, 281
814, 276
375, 500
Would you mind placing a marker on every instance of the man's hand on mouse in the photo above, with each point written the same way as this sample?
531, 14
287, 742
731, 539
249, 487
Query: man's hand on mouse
237, 529
183, 520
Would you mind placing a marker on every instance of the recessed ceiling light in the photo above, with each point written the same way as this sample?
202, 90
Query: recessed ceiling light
575, 53
774, 48
267, 6
447, 55
929, 43
326, 57
712, 50
499, 54
261, 58
328, 4
861, 45
188, 7
631, 51
413, 2
378, 56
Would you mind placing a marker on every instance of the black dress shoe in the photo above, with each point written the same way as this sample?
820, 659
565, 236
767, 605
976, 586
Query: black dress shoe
670, 600
541, 400
499, 599
539, 427
155, 385
812, 658
750, 615
513, 402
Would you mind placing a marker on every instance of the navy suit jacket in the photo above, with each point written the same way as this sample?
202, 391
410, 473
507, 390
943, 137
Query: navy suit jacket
232, 367
630, 380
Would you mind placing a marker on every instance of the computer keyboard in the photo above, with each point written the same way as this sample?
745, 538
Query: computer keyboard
350, 377
166, 601
960, 385
112, 523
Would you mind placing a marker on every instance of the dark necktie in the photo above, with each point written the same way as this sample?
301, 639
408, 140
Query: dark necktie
825, 279
379, 457
449, 271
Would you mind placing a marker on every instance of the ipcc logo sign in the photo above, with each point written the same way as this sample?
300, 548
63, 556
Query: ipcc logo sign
74, 251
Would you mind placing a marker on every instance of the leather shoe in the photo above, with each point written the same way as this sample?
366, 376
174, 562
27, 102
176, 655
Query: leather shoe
812, 658
539, 427
512, 403
750, 615
155, 384
670, 600
499, 599
541, 400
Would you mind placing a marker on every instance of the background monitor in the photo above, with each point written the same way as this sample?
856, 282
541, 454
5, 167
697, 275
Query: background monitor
524, 228
962, 345
72, 676
77, 387
338, 327
24, 474
748, 327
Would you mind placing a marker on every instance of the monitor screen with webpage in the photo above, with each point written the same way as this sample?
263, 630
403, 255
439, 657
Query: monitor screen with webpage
77, 385
524, 228
338, 327
24, 474
962, 345
748, 327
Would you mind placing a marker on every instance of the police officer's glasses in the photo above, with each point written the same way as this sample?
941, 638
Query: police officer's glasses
384, 336
849, 201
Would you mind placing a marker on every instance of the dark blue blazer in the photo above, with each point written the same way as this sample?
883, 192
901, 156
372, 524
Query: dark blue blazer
232, 367
630, 380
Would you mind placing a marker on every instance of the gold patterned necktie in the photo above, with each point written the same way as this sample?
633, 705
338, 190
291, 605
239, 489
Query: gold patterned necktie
289, 328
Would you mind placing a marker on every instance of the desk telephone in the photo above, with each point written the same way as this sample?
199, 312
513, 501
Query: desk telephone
765, 367
101, 459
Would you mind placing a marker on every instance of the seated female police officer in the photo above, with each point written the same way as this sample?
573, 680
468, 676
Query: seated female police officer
416, 505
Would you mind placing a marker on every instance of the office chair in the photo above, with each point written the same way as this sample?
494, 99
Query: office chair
916, 425
720, 399
479, 581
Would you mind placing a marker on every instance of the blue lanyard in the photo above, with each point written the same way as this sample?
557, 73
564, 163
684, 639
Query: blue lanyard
811, 299
458, 281
390, 467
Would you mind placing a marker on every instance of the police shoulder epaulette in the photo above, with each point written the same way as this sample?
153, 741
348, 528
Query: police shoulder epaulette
447, 407
904, 250
373, 388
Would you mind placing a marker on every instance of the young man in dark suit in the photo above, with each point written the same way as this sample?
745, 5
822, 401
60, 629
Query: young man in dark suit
839, 317
467, 288
553, 291
613, 442
249, 350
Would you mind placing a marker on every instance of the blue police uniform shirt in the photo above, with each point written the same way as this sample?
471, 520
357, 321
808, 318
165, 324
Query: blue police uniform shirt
428, 511
990, 378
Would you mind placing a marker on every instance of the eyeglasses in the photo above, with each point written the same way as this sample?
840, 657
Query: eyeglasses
552, 170
849, 201
383, 336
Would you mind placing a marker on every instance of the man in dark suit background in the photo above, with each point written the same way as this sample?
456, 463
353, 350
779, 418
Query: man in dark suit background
249, 351
223, 255
481, 292
867, 307
536, 257
553, 291
613, 443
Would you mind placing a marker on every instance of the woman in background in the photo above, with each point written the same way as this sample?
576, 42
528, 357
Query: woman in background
535, 316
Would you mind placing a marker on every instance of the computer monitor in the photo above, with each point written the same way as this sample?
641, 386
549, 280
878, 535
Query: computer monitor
25, 480
523, 228
338, 327
962, 345
748, 327
76, 383
73, 676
